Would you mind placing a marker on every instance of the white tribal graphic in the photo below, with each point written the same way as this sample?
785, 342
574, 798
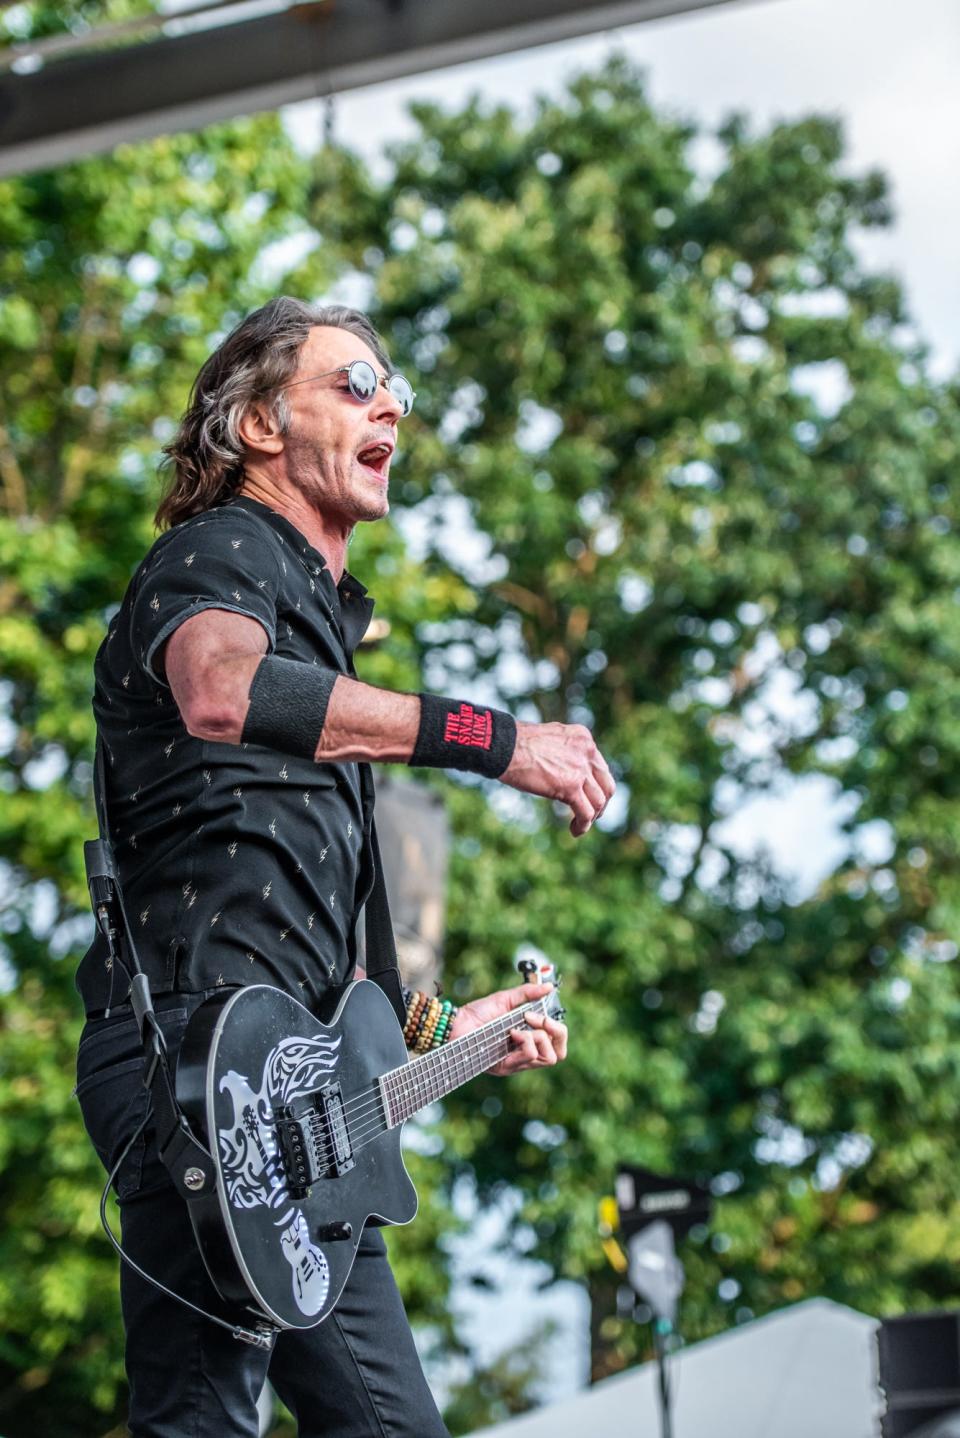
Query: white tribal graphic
248, 1148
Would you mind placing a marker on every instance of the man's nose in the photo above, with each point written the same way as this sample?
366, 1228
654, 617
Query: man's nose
385, 406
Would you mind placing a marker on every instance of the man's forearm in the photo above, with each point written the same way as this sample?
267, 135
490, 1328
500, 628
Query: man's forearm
212, 665
212, 679
366, 723
301, 709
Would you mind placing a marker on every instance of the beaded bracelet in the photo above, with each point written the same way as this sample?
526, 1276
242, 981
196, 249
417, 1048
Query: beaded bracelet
450, 1012
419, 1012
421, 1025
415, 1009
422, 1044
443, 1023
441, 1031
425, 1045
428, 1021
425, 1036
417, 1028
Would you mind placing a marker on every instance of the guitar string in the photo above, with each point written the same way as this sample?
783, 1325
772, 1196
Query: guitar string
412, 1086
372, 1132
367, 1108
417, 1078
415, 1081
402, 1097
472, 1042
373, 1120
359, 1138
425, 1070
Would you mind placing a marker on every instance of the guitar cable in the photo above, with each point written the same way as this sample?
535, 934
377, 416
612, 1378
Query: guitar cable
262, 1338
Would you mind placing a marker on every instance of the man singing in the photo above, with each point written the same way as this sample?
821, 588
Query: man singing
237, 743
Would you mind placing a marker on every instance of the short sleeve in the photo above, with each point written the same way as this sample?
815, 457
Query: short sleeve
220, 560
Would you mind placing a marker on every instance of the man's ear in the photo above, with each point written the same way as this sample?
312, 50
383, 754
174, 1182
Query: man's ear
259, 429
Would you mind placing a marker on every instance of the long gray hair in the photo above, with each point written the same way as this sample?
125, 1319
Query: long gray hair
206, 454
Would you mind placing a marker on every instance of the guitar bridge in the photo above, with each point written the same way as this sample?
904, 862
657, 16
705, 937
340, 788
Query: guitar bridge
314, 1143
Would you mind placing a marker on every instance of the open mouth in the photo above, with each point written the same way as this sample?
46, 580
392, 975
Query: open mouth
376, 458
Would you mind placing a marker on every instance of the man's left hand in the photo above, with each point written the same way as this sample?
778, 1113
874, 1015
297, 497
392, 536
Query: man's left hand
536, 1042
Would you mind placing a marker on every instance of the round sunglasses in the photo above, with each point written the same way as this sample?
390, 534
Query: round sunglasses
363, 381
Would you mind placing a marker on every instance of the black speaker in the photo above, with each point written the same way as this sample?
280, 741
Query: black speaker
946, 1427
918, 1358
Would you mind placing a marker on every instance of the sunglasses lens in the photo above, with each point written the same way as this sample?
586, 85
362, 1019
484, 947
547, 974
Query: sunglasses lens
363, 380
402, 392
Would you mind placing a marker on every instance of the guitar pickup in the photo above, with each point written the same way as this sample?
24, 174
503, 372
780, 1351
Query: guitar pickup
298, 1150
335, 1135
314, 1143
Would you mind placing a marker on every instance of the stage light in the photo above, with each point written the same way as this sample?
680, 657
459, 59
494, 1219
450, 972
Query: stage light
652, 1211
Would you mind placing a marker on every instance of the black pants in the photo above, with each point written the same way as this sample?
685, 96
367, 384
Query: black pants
356, 1375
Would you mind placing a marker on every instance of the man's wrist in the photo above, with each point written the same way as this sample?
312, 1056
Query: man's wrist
428, 1022
459, 735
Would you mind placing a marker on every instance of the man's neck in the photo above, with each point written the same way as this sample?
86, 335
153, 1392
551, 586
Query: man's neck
327, 534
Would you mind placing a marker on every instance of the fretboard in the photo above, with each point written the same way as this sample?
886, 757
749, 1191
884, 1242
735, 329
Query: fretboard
423, 1080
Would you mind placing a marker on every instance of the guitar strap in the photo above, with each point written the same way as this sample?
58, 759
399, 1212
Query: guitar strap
181, 1153
381, 956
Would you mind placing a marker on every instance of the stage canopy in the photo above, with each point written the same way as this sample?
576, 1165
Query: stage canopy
197, 61
806, 1372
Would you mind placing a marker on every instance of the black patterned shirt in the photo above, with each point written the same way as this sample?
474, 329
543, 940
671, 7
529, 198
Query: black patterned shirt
238, 864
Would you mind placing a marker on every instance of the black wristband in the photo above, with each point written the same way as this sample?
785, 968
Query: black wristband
455, 735
288, 704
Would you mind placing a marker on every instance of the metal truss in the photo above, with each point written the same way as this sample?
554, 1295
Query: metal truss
71, 95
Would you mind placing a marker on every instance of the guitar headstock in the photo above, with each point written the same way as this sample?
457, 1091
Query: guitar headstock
534, 971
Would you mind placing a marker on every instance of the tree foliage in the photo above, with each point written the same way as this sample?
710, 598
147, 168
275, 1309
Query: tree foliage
696, 450
108, 301
116, 278
712, 478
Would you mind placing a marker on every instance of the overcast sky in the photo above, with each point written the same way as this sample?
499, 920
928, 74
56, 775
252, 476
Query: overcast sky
889, 69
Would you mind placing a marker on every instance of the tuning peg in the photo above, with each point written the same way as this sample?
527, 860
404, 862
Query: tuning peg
528, 969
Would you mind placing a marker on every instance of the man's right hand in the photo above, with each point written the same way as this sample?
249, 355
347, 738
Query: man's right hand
561, 761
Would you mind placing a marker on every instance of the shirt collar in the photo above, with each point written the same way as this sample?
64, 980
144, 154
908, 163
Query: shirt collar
287, 531
355, 608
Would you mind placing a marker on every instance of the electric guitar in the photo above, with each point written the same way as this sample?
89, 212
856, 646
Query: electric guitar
303, 1121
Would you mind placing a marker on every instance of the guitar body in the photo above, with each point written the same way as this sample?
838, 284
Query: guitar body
291, 1111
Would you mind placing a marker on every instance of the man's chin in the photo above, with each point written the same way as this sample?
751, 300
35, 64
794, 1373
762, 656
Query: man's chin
374, 509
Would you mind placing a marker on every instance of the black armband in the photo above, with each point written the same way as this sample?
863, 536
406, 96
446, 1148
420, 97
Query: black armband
288, 704
455, 735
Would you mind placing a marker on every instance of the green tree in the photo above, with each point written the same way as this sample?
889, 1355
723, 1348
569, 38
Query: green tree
114, 275
618, 362
116, 278
711, 473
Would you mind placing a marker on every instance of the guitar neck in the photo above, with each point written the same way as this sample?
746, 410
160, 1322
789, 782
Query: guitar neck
430, 1077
